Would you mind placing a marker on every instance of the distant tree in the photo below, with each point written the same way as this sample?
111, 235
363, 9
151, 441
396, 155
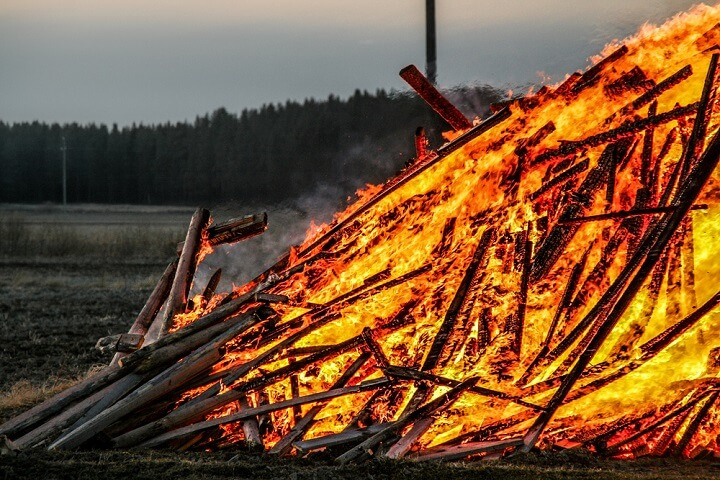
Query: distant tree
270, 154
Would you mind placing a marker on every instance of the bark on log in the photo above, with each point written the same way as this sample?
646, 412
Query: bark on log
122, 342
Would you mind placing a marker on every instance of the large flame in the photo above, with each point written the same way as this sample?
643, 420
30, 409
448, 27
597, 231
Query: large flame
486, 203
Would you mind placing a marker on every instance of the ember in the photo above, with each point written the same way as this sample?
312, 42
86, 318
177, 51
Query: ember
544, 279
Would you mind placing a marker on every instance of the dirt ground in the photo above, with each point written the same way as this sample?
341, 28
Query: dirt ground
51, 314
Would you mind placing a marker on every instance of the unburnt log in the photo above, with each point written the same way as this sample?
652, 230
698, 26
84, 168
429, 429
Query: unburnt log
176, 375
251, 412
152, 306
195, 410
250, 427
19, 425
237, 229
80, 412
122, 342
457, 452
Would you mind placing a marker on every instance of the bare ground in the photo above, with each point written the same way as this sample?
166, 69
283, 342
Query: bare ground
51, 314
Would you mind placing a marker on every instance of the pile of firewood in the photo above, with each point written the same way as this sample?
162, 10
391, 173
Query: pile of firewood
193, 372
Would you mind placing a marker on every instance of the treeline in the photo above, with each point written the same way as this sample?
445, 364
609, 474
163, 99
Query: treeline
265, 155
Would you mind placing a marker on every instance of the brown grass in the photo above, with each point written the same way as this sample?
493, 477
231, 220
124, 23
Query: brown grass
20, 238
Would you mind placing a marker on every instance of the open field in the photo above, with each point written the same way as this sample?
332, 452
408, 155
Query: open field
53, 308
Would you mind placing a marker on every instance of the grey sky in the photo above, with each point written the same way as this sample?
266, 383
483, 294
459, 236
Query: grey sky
170, 60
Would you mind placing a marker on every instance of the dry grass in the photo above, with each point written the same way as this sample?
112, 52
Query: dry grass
19, 238
25, 394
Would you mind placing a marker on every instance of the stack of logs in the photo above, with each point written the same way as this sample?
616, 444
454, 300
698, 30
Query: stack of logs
140, 399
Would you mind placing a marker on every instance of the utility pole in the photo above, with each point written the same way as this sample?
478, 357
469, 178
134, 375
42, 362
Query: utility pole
64, 155
430, 47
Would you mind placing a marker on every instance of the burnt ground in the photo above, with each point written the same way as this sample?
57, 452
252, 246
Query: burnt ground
52, 313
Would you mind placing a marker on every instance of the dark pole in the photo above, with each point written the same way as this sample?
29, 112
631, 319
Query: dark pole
64, 171
430, 47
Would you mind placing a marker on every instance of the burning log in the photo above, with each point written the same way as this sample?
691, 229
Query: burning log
421, 143
652, 94
438, 404
195, 410
699, 131
437, 102
558, 238
691, 430
622, 214
652, 246
185, 270
467, 304
561, 179
251, 412
615, 448
440, 348
591, 77
421, 376
624, 131
303, 424
411, 173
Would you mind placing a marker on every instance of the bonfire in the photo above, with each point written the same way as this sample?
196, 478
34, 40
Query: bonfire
545, 279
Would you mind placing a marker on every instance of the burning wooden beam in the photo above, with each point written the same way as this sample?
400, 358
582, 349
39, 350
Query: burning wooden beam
434, 98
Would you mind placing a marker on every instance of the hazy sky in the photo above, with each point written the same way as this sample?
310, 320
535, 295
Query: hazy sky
154, 61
